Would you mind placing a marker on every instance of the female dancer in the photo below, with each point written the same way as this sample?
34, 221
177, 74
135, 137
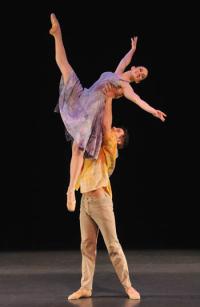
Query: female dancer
81, 109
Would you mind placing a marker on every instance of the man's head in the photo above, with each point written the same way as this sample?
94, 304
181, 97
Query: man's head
122, 136
138, 73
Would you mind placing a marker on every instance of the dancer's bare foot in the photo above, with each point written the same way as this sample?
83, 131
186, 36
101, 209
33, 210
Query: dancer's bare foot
71, 200
133, 293
79, 294
55, 27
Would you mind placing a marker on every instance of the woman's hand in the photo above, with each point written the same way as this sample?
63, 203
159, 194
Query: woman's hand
159, 114
134, 43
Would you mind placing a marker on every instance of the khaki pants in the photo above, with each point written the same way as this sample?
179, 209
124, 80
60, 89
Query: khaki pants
95, 214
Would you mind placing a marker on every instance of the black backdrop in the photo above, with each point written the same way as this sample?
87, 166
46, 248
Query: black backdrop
155, 192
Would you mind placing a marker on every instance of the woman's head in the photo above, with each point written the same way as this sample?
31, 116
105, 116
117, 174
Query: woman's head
139, 73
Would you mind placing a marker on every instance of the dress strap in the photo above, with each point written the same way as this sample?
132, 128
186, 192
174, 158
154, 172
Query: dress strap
124, 80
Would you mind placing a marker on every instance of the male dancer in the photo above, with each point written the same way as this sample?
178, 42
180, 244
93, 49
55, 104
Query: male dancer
96, 210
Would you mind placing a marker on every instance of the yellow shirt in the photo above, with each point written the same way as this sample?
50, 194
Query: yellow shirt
95, 173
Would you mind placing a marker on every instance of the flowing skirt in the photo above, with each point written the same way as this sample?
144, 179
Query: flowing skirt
81, 110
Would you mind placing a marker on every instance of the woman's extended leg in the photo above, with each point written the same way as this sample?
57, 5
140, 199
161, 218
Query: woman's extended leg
60, 54
65, 68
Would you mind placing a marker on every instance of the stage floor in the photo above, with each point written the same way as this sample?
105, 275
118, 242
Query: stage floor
163, 277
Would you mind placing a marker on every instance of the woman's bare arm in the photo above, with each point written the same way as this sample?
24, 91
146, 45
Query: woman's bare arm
132, 96
127, 58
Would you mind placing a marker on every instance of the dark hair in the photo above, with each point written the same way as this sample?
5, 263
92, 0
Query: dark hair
124, 138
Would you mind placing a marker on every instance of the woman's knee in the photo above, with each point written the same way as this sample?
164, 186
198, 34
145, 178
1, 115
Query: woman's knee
76, 150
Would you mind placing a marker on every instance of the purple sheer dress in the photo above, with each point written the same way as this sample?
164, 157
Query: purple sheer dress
81, 110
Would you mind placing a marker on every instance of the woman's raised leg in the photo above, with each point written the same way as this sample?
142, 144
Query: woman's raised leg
60, 53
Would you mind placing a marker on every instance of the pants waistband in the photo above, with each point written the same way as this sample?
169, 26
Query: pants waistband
96, 199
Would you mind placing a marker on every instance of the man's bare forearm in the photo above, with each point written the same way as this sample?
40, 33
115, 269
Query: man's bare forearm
107, 116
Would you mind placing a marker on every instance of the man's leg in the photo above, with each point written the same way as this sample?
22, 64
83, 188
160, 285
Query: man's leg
104, 217
89, 235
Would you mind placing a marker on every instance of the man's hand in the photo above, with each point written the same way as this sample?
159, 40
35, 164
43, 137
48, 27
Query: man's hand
112, 91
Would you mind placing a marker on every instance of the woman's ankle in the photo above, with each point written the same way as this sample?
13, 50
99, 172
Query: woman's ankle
71, 189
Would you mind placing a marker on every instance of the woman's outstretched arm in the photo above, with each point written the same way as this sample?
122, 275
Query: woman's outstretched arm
132, 96
128, 57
